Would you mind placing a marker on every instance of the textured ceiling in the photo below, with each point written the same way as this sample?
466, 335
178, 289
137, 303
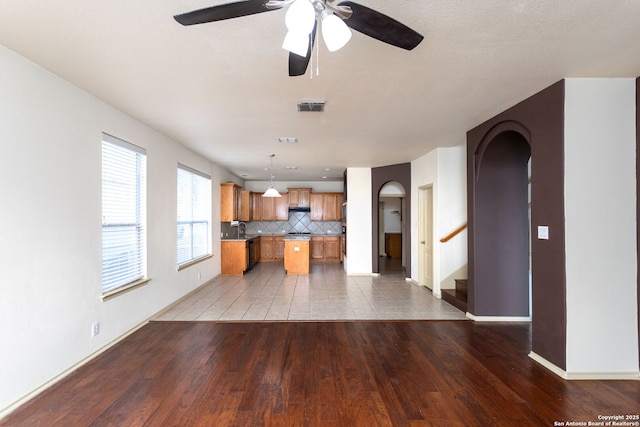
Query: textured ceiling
222, 88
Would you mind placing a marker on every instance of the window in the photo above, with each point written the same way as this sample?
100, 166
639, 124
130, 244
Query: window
194, 215
123, 213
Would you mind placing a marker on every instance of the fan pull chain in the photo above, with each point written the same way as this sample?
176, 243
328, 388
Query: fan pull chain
318, 59
311, 57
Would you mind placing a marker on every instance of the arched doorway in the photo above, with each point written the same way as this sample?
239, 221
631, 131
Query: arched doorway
499, 275
380, 176
391, 209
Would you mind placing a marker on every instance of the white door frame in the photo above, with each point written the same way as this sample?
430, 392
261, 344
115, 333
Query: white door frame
426, 232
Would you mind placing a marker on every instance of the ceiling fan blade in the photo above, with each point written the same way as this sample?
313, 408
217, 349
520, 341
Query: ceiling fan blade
225, 11
381, 27
298, 64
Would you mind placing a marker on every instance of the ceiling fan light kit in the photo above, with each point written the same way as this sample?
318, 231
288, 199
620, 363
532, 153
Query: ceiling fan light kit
301, 21
335, 32
296, 42
300, 17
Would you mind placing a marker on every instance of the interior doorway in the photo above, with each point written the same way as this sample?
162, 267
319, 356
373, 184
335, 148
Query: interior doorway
391, 225
425, 236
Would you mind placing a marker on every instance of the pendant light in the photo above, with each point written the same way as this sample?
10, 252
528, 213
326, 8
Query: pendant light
271, 192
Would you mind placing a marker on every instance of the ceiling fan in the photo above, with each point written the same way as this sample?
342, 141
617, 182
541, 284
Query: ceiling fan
302, 22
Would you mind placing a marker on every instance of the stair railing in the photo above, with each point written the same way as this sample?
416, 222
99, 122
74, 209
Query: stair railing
453, 234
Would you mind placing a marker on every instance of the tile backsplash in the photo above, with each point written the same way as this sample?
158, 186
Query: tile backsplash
299, 222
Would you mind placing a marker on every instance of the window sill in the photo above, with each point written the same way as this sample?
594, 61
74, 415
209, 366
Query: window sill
124, 289
194, 261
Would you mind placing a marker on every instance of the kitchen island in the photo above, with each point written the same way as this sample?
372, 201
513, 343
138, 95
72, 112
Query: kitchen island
296, 254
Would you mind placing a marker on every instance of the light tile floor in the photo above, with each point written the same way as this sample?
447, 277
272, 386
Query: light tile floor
266, 292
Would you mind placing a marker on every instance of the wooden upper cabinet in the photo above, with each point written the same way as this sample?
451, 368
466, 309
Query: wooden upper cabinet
268, 209
316, 204
255, 213
299, 197
275, 208
246, 205
282, 207
339, 202
230, 202
326, 206
330, 207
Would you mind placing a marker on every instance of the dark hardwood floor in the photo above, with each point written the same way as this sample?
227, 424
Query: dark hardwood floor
425, 373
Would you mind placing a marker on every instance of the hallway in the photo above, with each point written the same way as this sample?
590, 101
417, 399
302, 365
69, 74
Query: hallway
327, 293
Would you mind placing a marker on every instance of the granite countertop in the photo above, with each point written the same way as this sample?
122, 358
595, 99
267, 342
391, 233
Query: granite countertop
244, 238
298, 237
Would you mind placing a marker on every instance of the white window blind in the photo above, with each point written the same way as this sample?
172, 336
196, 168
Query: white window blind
194, 215
123, 213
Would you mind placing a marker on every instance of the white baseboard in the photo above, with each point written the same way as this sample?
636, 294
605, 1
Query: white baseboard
498, 318
584, 375
363, 274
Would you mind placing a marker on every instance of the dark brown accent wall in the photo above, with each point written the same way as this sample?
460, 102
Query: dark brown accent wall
501, 224
379, 177
540, 120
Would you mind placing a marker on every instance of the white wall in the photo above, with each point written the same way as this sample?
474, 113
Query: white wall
445, 170
600, 226
359, 222
50, 187
391, 215
452, 203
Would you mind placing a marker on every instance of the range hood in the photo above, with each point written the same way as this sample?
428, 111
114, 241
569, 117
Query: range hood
299, 209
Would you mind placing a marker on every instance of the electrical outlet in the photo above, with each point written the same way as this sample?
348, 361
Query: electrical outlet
95, 329
199, 275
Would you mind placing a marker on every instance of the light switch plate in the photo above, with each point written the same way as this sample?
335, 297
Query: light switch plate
543, 232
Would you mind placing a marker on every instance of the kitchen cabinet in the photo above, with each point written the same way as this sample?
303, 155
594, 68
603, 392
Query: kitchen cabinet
275, 208
271, 248
325, 249
332, 207
278, 247
299, 197
255, 212
332, 248
316, 204
326, 206
393, 244
246, 205
237, 256
317, 248
296, 256
230, 201
266, 248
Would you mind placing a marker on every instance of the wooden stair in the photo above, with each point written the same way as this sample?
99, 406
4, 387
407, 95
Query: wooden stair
457, 297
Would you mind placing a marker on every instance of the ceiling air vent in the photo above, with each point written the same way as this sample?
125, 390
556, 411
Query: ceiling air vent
311, 105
